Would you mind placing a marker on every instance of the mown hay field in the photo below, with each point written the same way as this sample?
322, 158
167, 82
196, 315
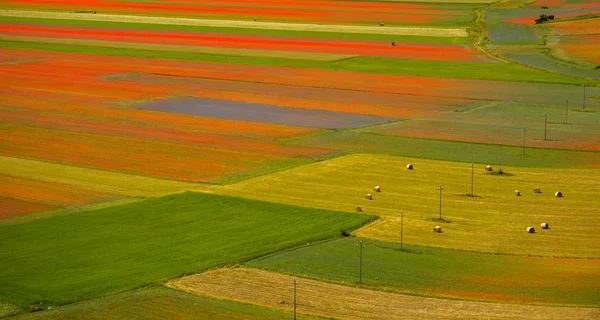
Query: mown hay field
339, 301
494, 220
86, 255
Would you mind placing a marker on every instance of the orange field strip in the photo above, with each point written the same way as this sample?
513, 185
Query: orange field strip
50, 194
12, 207
427, 51
343, 12
130, 154
203, 139
583, 26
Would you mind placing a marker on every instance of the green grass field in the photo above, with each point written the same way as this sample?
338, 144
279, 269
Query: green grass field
495, 220
80, 256
376, 143
443, 272
160, 303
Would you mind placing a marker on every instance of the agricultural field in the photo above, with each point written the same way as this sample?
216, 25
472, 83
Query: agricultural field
143, 242
493, 220
576, 40
346, 302
170, 160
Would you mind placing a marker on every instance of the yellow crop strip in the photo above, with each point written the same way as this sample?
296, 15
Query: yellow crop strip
413, 31
93, 179
495, 220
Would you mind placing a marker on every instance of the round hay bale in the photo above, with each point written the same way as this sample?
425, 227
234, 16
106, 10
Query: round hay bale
530, 230
537, 190
369, 196
381, 24
545, 225
409, 166
517, 193
488, 168
437, 229
358, 209
558, 194
377, 189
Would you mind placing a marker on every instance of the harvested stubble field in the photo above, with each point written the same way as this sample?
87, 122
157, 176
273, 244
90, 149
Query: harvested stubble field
90, 254
493, 221
339, 301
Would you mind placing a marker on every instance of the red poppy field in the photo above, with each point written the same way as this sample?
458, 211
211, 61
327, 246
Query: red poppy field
105, 103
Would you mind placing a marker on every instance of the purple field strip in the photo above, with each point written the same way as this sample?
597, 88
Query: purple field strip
263, 113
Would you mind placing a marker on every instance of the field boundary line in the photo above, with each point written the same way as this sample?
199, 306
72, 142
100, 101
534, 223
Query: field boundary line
416, 31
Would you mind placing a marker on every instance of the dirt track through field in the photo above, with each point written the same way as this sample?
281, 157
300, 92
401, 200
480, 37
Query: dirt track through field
413, 31
332, 300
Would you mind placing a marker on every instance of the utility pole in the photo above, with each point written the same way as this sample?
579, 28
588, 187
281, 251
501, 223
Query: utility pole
584, 96
360, 245
500, 156
401, 228
545, 124
295, 284
524, 130
472, 178
566, 110
441, 188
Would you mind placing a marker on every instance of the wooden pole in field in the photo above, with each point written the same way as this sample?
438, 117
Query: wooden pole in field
524, 130
472, 177
401, 228
584, 96
295, 284
566, 110
441, 188
545, 124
